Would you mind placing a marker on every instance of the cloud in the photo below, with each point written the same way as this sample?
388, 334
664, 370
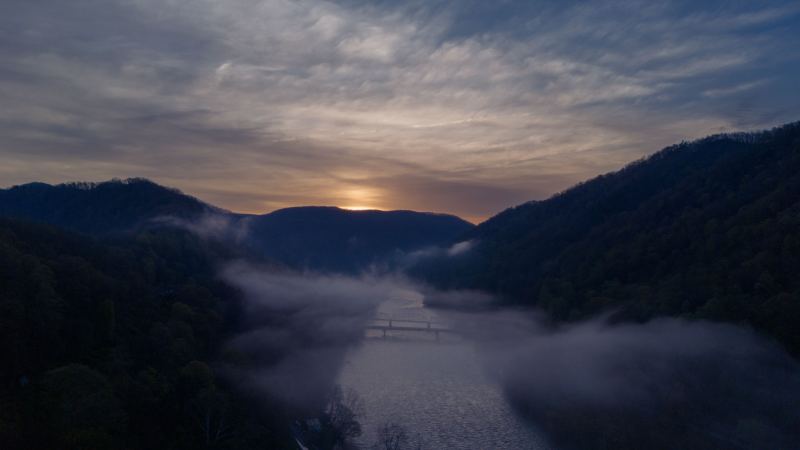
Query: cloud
296, 329
667, 383
460, 248
219, 226
266, 104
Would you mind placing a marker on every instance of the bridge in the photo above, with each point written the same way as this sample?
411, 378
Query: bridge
388, 324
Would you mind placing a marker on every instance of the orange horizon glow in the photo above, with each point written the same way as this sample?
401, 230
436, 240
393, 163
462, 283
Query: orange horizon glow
360, 208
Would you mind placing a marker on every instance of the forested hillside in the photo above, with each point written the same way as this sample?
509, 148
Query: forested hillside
325, 239
110, 344
99, 208
707, 229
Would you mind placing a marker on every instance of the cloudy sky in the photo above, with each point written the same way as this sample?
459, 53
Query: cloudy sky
456, 106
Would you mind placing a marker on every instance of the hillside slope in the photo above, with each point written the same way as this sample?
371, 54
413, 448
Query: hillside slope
98, 208
316, 238
334, 239
705, 229
110, 344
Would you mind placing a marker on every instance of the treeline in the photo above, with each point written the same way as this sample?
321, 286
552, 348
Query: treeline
110, 207
706, 229
110, 344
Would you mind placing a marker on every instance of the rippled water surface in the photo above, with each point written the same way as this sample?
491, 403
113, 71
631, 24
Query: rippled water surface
436, 391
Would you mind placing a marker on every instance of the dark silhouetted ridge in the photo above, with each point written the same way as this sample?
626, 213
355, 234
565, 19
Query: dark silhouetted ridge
316, 238
334, 239
709, 228
97, 208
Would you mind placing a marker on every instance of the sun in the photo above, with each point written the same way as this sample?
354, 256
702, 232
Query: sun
358, 208
359, 198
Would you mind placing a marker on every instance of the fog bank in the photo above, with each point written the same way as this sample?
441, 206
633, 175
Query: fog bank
296, 329
668, 383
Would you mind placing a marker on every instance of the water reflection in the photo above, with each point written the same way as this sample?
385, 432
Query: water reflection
436, 390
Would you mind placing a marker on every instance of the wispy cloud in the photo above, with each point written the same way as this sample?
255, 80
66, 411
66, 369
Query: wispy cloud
258, 105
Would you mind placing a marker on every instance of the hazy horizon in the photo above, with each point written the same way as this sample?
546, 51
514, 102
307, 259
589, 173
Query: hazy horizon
457, 107
354, 207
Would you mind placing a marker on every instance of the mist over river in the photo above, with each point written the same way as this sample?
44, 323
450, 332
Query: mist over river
437, 391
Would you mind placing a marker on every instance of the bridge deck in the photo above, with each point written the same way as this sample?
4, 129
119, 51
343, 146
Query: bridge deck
388, 324
407, 328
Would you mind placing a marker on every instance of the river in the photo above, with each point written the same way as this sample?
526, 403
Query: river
437, 391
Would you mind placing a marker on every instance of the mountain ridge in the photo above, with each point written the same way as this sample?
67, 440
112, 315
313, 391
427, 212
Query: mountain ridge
703, 229
324, 238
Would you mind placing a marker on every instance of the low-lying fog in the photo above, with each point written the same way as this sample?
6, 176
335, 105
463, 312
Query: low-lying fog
507, 380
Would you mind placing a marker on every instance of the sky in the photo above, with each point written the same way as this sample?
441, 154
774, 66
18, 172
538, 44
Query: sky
459, 106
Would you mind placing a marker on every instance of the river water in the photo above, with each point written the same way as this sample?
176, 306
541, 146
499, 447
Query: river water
437, 391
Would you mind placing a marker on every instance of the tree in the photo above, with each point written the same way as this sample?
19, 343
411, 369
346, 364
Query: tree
341, 416
391, 436
83, 404
211, 414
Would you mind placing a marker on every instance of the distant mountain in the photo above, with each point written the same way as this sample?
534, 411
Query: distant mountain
99, 208
334, 239
709, 229
317, 238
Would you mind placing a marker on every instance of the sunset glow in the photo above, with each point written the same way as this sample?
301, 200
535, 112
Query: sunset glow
459, 107
359, 208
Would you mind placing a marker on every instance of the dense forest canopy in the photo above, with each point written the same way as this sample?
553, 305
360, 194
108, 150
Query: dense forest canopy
703, 229
111, 344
